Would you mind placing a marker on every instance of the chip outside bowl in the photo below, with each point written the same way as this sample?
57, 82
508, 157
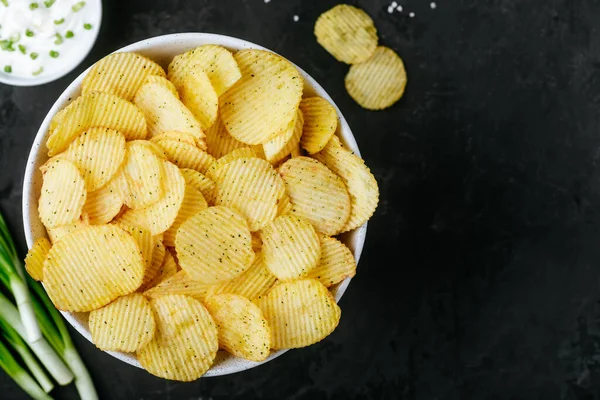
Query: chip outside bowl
162, 49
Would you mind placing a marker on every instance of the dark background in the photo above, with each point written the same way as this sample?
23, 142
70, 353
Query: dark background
480, 278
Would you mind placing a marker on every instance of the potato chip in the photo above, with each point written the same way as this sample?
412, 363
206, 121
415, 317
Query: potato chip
144, 241
96, 109
282, 145
179, 283
316, 194
244, 152
296, 152
219, 142
145, 175
320, 123
166, 270
243, 331
184, 155
103, 205
34, 260
217, 61
167, 84
252, 283
360, 182
176, 136
284, 205
121, 74
127, 324
63, 194
159, 216
290, 247
156, 149
199, 96
98, 153
264, 101
299, 313
158, 258
214, 245
186, 340
164, 112
252, 187
337, 263
378, 82
347, 33
91, 267
193, 202
197, 180
56, 234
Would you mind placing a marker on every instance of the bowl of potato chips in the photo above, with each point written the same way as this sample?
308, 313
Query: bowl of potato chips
195, 205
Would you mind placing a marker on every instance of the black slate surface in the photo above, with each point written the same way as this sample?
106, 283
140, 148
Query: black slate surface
480, 278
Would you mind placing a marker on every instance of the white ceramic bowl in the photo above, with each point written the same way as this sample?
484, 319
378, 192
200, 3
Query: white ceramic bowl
162, 49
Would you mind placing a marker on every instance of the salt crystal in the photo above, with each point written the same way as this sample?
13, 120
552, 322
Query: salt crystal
399, 8
390, 10
412, 15
433, 6
296, 18
394, 4
267, 1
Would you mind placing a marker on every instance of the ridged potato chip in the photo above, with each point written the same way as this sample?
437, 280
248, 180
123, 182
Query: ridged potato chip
193, 202
296, 152
127, 324
284, 205
378, 82
244, 152
145, 175
360, 182
186, 340
214, 245
176, 136
282, 145
144, 241
95, 109
165, 112
56, 234
336, 264
320, 123
347, 33
159, 216
243, 330
159, 253
252, 283
252, 187
121, 74
34, 260
63, 193
179, 283
316, 194
98, 154
102, 205
199, 96
217, 61
299, 313
167, 270
219, 142
91, 267
184, 155
197, 180
167, 84
291, 247
264, 101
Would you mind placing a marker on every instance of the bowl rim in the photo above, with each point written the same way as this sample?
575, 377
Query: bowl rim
67, 68
194, 39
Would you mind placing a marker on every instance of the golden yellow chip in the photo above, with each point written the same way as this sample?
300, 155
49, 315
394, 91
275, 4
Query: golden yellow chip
120, 74
360, 182
179, 283
91, 267
197, 180
347, 33
164, 112
56, 234
156, 149
145, 175
217, 61
214, 169
158, 258
96, 109
337, 263
296, 152
164, 82
193, 202
284, 205
186, 340
214, 245
34, 260
176, 136
243, 331
127, 324
264, 101
378, 82
63, 194
98, 153
159, 216
316, 194
290, 247
282, 145
143, 239
299, 313
252, 283
184, 155
219, 142
102, 205
252, 187
199, 96
166, 270
320, 123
